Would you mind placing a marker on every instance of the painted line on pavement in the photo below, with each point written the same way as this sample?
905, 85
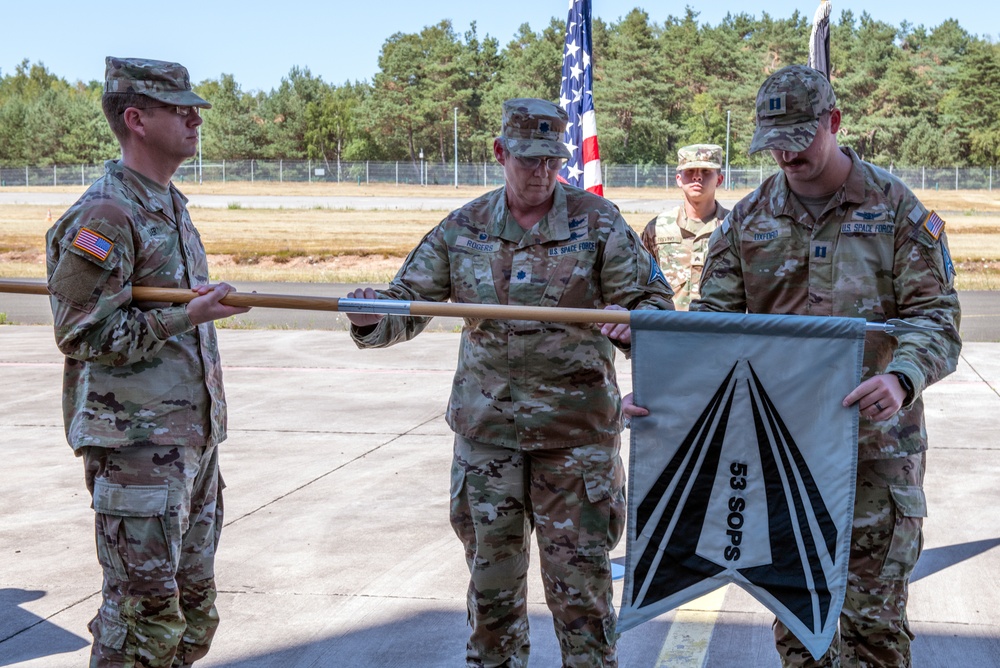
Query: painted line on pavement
686, 644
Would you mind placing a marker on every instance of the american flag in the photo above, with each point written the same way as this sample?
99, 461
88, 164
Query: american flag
93, 243
576, 96
934, 224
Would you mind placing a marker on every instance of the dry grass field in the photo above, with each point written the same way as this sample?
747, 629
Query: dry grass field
353, 246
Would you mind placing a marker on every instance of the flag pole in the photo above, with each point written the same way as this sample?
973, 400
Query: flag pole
819, 39
347, 305
408, 308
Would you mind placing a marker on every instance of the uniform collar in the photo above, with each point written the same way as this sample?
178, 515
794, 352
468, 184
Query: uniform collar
852, 191
554, 226
146, 197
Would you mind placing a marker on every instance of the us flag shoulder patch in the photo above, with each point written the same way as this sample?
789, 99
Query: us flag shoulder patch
934, 224
92, 243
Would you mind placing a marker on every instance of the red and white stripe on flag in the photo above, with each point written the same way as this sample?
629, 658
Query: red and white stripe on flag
583, 169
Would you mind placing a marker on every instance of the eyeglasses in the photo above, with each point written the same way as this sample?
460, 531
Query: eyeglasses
179, 110
533, 163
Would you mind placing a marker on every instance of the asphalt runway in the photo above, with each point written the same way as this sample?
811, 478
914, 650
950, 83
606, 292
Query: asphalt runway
980, 311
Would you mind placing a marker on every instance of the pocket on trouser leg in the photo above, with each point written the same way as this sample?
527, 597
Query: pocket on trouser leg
139, 562
220, 514
131, 534
459, 512
906, 542
602, 519
107, 629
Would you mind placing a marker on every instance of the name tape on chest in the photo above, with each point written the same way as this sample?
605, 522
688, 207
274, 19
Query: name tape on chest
768, 232
94, 244
482, 244
854, 227
578, 247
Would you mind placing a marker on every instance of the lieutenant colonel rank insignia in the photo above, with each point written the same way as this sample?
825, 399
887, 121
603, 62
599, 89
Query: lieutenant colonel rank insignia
92, 243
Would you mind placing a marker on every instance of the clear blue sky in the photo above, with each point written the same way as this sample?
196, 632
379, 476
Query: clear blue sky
259, 42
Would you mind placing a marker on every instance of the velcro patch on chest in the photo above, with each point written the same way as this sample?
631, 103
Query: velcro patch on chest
769, 231
481, 244
869, 216
821, 252
94, 244
858, 228
521, 274
577, 247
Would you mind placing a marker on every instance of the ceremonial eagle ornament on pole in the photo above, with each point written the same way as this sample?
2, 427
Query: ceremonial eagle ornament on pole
744, 471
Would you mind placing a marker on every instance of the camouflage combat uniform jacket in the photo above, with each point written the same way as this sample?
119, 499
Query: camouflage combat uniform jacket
868, 256
521, 383
135, 373
679, 244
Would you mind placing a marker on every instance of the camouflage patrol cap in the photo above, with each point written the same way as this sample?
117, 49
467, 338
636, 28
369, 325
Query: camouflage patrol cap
699, 156
789, 105
533, 128
158, 79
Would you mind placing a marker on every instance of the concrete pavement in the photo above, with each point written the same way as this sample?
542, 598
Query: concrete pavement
337, 549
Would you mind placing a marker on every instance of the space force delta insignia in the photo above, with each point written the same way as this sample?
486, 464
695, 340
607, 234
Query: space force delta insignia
93, 244
655, 273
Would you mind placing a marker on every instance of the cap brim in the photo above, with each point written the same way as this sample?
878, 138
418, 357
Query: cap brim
794, 138
183, 98
537, 148
699, 165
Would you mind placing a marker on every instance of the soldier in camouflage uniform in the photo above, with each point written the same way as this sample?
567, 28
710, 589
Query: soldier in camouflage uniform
143, 401
679, 238
534, 406
832, 235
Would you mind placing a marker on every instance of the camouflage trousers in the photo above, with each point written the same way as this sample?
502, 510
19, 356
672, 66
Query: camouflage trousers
574, 500
158, 517
885, 543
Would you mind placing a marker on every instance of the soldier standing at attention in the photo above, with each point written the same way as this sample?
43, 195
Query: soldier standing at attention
142, 399
679, 238
831, 235
534, 406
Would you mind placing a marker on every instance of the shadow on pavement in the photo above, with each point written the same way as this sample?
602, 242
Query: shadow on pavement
939, 558
14, 620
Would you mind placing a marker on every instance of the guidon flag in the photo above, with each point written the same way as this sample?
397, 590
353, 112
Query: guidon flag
744, 470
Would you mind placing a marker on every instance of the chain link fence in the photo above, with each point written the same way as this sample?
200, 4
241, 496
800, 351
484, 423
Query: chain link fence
467, 174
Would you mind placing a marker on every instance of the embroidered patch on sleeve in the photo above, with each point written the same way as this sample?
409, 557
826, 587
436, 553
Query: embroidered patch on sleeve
93, 243
934, 224
655, 274
949, 265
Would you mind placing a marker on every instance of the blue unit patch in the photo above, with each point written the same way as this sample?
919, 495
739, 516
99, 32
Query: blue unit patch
949, 266
655, 274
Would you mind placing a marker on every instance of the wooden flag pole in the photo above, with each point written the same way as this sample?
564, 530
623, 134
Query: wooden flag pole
413, 309
346, 305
